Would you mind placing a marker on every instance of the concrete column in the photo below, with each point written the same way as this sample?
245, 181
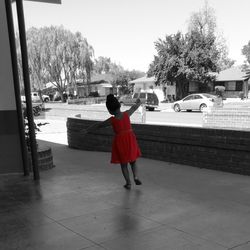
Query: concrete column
10, 146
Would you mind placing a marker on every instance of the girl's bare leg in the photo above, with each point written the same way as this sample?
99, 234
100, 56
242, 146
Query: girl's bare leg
135, 172
125, 172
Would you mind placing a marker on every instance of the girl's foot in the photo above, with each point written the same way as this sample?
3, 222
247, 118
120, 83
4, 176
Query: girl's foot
137, 181
127, 186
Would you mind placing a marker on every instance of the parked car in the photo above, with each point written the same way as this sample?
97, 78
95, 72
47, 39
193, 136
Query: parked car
195, 102
36, 98
149, 99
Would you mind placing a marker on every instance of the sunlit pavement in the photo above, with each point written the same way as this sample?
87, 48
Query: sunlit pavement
55, 131
81, 204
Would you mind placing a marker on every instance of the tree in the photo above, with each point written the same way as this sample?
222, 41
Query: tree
38, 73
84, 59
246, 51
193, 56
123, 77
204, 22
184, 58
102, 64
224, 61
59, 56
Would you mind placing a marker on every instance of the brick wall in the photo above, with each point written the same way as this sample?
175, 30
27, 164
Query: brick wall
228, 118
225, 150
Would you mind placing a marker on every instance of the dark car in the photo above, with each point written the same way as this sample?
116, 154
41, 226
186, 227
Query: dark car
149, 99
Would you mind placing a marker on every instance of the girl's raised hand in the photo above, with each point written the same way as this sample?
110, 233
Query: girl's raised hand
138, 101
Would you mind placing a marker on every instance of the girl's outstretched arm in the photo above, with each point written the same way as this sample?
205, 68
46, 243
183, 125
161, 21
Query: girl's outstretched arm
97, 125
134, 107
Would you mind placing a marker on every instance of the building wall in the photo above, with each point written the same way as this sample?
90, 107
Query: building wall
10, 147
234, 88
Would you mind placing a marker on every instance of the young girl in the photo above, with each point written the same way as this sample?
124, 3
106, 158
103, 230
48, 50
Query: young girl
124, 147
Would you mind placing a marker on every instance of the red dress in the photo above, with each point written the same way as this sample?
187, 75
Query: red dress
124, 147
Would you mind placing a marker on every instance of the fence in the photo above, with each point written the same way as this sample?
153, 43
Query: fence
237, 118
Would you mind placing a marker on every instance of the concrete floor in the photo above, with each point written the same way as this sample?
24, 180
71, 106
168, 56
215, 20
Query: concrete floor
81, 204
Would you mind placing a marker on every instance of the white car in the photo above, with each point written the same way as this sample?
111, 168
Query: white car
36, 98
195, 102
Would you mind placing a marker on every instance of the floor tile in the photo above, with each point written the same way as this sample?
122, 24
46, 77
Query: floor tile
47, 237
107, 224
161, 239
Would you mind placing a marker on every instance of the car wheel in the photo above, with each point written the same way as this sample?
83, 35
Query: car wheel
177, 108
46, 99
151, 109
202, 107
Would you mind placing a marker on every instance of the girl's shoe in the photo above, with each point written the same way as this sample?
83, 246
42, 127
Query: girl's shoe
127, 186
137, 182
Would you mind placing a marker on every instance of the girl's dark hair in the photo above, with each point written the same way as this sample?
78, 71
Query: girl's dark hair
112, 103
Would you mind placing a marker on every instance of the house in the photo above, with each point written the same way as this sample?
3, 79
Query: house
148, 84
234, 80
100, 83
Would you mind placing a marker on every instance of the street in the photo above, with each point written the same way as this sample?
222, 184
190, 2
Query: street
163, 115
172, 118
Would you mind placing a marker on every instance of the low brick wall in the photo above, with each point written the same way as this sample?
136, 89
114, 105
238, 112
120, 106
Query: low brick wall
237, 118
87, 100
218, 149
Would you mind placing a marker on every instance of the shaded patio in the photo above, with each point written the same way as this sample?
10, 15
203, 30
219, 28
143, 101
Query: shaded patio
81, 204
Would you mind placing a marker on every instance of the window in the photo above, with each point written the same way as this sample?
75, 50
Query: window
197, 97
142, 95
239, 86
230, 86
188, 98
209, 96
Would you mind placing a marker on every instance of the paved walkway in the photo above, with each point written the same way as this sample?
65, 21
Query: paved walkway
81, 204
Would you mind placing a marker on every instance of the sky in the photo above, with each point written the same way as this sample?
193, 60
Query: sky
126, 30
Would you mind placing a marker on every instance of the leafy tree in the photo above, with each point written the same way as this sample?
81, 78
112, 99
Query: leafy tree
84, 59
38, 73
102, 64
123, 77
87, 54
224, 62
57, 55
182, 58
204, 23
246, 51
193, 56
61, 57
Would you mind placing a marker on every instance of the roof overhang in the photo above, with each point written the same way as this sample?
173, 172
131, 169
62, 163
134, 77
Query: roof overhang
106, 85
144, 79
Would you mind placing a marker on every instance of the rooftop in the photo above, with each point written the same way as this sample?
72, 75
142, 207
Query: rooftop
232, 74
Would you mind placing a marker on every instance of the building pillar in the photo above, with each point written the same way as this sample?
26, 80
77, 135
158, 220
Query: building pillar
11, 160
